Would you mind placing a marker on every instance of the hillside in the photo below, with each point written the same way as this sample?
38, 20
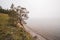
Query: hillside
8, 32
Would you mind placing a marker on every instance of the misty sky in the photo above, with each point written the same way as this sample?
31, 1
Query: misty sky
37, 8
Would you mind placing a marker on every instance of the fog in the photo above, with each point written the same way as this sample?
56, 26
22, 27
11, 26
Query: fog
47, 27
44, 16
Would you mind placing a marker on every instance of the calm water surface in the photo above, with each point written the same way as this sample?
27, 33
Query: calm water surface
48, 27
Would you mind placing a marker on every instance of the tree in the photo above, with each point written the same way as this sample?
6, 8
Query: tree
12, 6
18, 15
0, 7
24, 15
13, 16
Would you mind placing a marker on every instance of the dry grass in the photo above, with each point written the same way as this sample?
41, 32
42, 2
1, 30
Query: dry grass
10, 32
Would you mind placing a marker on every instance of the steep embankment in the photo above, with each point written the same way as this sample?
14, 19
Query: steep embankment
8, 32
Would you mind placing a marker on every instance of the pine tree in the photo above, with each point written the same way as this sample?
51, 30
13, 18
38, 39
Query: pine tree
12, 6
18, 15
0, 7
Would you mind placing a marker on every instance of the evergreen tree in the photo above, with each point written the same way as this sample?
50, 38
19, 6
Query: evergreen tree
12, 6
0, 7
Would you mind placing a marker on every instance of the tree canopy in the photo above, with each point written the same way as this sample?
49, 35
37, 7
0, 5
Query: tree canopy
17, 14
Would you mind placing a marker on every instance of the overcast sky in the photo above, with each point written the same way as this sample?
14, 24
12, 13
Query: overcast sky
37, 8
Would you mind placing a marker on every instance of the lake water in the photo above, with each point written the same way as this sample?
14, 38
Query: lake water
48, 27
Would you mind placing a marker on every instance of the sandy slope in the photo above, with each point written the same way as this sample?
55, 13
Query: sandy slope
33, 33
